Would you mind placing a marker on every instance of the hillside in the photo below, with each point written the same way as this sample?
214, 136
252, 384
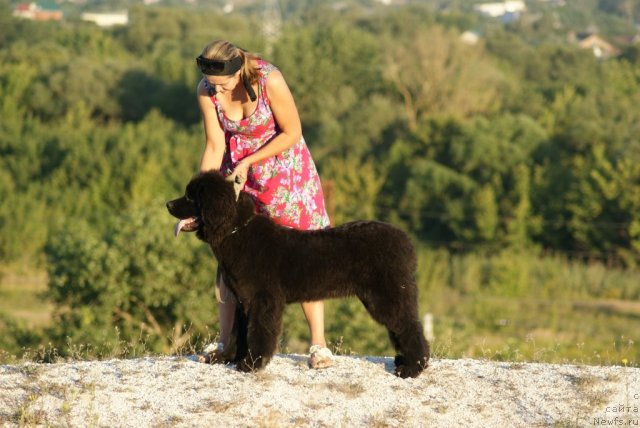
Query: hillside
174, 391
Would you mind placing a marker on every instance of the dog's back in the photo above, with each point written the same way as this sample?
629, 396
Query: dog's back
344, 261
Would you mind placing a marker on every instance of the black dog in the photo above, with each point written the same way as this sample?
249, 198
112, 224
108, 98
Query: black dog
267, 266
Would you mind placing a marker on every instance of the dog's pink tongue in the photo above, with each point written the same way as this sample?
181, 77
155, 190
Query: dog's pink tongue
180, 225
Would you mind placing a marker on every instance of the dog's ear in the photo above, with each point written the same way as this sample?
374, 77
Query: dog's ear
246, 207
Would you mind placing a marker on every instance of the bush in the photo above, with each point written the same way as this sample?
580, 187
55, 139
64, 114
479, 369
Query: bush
134, 283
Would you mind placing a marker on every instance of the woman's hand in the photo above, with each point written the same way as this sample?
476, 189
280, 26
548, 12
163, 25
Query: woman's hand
239, 174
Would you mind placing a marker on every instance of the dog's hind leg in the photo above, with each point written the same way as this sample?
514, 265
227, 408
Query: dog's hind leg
413, 348
263, 328
398, 312
399, 359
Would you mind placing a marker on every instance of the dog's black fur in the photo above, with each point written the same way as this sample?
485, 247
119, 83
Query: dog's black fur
267, 266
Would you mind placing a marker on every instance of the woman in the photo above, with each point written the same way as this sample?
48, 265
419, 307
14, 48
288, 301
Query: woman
254, 136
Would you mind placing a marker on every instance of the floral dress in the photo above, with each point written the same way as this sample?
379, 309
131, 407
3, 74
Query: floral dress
285, 187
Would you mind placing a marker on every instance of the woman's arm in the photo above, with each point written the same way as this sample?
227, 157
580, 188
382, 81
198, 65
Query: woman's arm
214, 135
286, 115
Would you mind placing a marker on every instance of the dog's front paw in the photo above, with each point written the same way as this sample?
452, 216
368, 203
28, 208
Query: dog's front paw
399, 360
410, 370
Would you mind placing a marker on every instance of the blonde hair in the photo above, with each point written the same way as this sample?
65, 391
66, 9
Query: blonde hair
222, 50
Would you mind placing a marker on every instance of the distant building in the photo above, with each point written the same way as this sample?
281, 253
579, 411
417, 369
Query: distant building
107, 19
40, 11
554, 2
505, 11
601, 48
628, 40
469, 38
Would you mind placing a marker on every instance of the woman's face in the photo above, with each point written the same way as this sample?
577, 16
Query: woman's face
223, 84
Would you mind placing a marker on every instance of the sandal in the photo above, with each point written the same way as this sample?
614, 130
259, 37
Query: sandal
212, 353
320, 357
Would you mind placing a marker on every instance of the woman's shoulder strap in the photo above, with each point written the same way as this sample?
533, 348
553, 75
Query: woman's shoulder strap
265, 69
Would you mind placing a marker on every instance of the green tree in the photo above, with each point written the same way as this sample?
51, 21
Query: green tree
334, 74
485, 210
464, 181
434, 72
351, 189
133, 284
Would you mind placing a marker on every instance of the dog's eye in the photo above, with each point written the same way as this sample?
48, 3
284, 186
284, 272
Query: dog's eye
191, 200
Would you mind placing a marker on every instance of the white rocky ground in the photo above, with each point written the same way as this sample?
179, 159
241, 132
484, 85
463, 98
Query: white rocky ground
174, 391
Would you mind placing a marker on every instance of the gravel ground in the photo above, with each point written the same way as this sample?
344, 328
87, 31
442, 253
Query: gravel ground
355, 392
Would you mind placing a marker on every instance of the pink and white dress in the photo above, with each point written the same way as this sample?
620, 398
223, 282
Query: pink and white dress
285, 187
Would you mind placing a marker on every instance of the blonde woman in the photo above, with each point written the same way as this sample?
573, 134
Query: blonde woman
253, 135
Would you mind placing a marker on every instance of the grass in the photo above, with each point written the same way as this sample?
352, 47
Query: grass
537, 330
501, 328
588, 387
29, 411
510, 306
24, 416
591, 392
22, 295
350, 390
506, 307
518, 306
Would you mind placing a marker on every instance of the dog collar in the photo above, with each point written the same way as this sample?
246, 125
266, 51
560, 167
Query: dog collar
237, 228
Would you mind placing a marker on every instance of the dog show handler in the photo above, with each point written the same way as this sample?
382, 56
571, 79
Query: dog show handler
253, 135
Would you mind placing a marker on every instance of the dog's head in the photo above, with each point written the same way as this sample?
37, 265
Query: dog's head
210, 207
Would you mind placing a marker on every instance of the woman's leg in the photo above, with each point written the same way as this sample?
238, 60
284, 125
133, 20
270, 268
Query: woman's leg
227, 310
314, 313
320, 355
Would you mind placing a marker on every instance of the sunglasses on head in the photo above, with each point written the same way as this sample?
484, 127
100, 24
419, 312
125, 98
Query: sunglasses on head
213, 67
